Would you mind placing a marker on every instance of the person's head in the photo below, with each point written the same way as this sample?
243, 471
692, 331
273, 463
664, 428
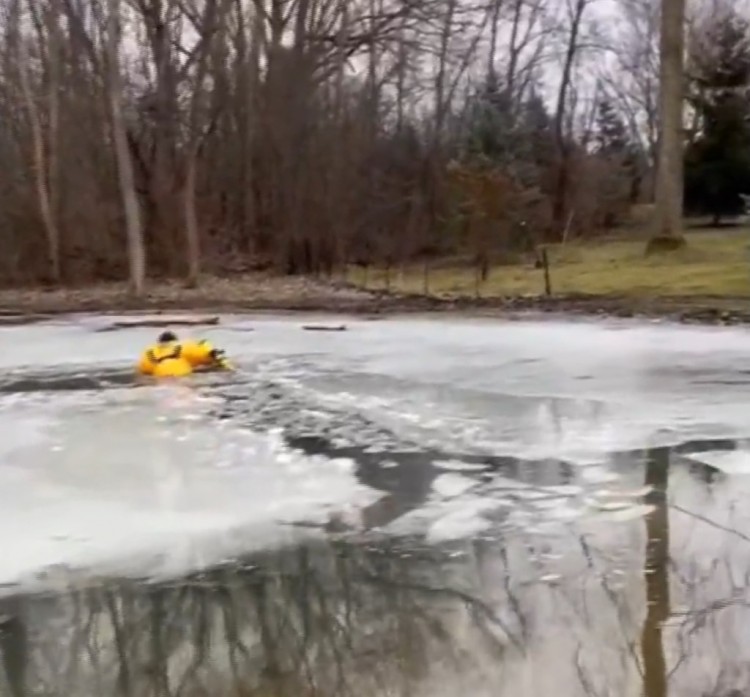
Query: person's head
167, 337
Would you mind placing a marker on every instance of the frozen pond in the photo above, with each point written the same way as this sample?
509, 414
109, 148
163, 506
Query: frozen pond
410, 507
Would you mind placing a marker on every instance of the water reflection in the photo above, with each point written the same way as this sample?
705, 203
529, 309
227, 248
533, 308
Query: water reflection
655, 574
581, 608
570, 588
330, 618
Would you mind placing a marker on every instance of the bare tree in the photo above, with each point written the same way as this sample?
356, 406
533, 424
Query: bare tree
200, 123
131, 206
44, 149
633, 81
525, 45
296, 135
576, 9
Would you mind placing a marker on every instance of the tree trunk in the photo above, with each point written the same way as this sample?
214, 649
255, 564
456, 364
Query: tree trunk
136, 248
191, 221
40, 165
667, 232
55, 58
200, 124
559, 199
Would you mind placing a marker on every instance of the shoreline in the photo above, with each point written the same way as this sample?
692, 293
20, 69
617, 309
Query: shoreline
302, 296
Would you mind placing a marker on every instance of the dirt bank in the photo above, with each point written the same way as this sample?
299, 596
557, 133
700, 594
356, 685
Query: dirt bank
264, 293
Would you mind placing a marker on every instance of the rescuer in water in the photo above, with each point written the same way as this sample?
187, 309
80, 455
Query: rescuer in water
169, 357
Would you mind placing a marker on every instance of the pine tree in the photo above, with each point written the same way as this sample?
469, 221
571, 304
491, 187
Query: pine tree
491, 123
514, 136
717, 163
537, 130
615, 144
611, 133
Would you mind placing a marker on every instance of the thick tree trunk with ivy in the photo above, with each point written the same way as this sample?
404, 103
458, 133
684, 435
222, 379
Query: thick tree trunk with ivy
667, 233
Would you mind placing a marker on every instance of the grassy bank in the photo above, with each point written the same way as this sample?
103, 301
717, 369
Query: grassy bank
707, 282
254, 291
714, 263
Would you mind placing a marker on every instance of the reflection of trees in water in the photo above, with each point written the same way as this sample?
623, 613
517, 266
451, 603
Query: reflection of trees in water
656, 575
320, 620
13, 644
709, 630
698, 648
334, 618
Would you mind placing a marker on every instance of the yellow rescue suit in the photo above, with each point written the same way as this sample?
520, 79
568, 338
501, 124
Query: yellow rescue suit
202, 355
164, 360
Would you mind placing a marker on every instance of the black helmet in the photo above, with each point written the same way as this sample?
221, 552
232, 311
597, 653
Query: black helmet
167, 337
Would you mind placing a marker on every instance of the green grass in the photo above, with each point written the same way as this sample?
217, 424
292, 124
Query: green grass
714, 262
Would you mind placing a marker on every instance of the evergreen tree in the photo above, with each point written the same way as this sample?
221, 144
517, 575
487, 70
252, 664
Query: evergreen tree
615, 144
537, 131
514, 135
717, 162
491, 123
611, 133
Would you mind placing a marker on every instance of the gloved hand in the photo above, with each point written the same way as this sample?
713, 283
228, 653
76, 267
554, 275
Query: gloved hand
218, 356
